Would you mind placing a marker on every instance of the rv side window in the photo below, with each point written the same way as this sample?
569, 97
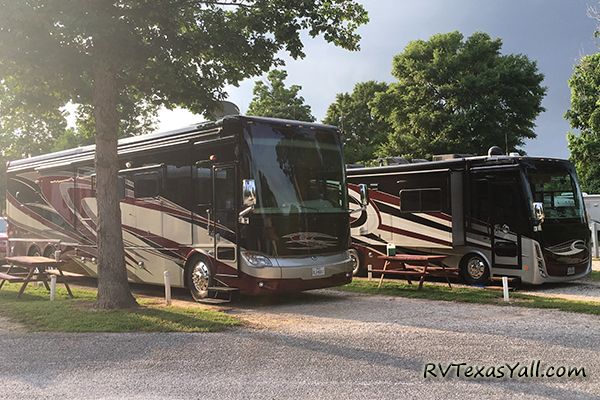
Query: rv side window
431, 200
177, 185
202, 187
480, 201
421, 200
147, 184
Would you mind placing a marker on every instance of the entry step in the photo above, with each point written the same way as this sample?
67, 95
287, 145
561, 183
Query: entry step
223, 289
210, 300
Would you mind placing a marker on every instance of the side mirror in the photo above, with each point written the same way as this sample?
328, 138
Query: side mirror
249, 192
364, 194
538, 212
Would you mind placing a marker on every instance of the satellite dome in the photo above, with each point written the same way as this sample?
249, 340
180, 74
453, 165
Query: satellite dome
495, 151
223, 109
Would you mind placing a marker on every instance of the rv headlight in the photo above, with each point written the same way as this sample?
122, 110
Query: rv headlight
256, 260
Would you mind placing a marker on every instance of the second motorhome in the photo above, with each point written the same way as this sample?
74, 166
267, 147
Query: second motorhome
493, 215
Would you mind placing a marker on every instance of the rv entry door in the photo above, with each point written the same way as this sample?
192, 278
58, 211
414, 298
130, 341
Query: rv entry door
497, 207
225, 213
506, 218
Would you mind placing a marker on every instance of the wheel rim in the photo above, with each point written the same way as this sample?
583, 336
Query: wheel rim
201, 277
476, 268
355, 262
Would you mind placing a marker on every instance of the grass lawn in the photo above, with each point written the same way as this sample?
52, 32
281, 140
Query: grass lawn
36, 312
595, 276
469, 295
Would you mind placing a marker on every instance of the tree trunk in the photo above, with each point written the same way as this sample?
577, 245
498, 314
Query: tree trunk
113, 287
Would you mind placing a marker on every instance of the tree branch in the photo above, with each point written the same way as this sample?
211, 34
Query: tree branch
233, 3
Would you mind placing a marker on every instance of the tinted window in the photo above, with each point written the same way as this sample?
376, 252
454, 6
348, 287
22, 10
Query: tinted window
202, 187
147, 184
225, 207
556, 187
421, 200
498, 198
410, 200
423, 192
178, 182
296, 169
508, 202
431, 200
479, 199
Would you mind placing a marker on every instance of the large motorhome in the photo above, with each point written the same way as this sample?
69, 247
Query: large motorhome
492, 215
254, 204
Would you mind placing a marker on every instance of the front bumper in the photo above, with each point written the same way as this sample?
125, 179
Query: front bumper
306, 268
257, 286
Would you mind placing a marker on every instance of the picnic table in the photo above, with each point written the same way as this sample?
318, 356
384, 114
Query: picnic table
36, 270
420, 266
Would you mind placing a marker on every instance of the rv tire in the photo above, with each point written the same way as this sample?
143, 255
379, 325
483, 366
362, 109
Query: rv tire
49, 251
199, 277
474, 270
357, 269
34, 251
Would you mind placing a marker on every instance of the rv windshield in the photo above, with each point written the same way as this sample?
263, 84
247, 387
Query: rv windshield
555, 185
297, 170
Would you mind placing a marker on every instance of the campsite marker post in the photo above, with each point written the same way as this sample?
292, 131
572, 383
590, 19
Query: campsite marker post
167, 288
505, 288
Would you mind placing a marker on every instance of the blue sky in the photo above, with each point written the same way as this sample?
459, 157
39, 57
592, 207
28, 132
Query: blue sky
555, 33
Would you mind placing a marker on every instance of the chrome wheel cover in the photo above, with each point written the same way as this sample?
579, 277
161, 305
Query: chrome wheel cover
355, 262
201, 277
475, 268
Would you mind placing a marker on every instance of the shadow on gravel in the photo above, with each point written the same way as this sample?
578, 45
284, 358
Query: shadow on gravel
302, 298
370, 309
182, 294
376, 359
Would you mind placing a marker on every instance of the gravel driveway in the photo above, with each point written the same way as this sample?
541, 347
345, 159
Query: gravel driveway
320, 345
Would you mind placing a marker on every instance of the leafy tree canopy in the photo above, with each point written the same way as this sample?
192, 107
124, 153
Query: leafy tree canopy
273, 99
363, 131
459, 96
22, 132
584, 116
174, 53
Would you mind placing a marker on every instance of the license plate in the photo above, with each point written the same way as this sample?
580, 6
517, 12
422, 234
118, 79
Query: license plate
570, 270
318, 271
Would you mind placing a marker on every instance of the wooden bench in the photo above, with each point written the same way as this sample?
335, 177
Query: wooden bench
418, 266
9, 278
35, 271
